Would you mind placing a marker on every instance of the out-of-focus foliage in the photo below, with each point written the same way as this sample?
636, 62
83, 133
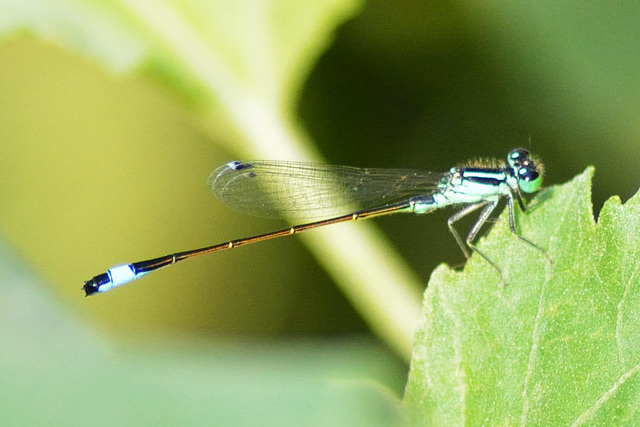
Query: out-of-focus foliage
55, 372
244, 62
82, 155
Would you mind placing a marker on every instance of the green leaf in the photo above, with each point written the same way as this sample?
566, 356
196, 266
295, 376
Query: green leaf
559, 344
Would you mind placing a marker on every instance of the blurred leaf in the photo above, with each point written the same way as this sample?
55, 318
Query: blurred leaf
54, 372
571, 67
241, 64
558, 344
237, 48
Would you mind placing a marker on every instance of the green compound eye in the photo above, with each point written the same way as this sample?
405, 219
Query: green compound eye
529, 181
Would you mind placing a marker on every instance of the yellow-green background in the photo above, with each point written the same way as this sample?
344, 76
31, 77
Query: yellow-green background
99, 168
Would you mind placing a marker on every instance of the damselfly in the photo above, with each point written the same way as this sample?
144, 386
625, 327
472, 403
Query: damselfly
304, 190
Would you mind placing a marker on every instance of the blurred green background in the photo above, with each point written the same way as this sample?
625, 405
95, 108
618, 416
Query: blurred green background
100, 167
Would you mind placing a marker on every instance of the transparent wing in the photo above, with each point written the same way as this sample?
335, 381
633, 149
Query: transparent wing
277, 189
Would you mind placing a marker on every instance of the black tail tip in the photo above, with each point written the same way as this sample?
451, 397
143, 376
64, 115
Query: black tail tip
89, 287
93, 286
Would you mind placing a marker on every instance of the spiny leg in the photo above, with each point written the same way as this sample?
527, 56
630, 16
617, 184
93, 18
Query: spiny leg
482, 218
456, 217
512, 221
473, 233
531, 206
523, 208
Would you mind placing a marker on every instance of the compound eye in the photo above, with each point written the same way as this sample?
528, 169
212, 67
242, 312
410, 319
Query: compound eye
517, 157
529, 180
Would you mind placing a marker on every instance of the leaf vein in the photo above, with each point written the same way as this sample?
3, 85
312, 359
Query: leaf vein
535, 338
589, 413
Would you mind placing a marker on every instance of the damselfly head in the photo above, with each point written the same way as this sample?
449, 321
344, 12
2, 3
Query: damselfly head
526, 169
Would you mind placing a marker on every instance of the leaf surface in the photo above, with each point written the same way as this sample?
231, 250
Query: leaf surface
558, 344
